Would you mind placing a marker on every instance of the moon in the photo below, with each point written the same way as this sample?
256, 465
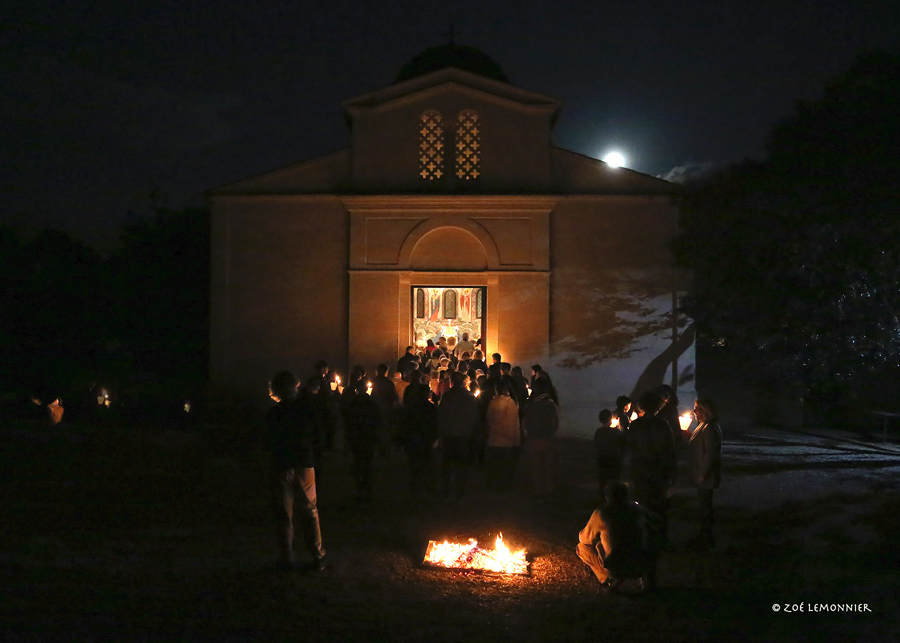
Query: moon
614, 159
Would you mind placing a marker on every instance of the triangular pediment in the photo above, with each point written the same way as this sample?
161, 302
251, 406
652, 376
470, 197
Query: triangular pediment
574, 173
457, 79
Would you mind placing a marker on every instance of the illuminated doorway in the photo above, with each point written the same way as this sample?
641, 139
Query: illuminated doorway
448, 311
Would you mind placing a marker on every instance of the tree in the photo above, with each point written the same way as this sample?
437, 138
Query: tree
52, 323
160, 278
796, 260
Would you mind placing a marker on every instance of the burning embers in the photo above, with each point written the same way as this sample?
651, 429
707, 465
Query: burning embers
470, 556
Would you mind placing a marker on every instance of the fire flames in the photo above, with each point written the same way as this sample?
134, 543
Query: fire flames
470, 556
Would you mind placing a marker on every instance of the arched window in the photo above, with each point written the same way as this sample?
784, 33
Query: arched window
431, 146
420, 303
468, 146
450, 303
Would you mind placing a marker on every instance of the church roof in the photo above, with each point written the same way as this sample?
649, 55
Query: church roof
462, 57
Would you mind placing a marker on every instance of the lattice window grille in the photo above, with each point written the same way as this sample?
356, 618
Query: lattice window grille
420, 303
468, 146
450, 304
431, 146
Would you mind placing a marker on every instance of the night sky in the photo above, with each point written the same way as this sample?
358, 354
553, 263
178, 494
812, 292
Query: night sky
110, 107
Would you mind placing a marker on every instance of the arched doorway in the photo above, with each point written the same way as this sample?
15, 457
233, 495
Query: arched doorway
448, 312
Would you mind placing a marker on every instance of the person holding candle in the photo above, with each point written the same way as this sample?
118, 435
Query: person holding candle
364, 427
653, 464
706, 466
669, 411
609, 445
622, 412
289, 437
540, 424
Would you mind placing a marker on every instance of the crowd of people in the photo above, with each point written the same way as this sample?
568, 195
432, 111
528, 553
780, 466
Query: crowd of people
447, 405
624, 537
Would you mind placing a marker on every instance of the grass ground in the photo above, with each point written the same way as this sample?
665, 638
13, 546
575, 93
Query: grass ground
113, 534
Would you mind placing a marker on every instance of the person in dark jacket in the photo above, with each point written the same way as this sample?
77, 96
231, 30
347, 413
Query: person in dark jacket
385, 395
363, 428
459, 424
652, 448
418, 433
326, 402
609, 445
539, 423
669, 411
706, 465
621, 540
408, 358
289, 438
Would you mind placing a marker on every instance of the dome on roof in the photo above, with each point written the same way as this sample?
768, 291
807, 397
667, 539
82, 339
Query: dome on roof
462, 57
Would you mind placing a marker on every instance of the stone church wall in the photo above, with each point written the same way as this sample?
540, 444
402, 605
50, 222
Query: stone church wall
611, 297
279, 288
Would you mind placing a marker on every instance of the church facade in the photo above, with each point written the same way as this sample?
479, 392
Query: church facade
451, 211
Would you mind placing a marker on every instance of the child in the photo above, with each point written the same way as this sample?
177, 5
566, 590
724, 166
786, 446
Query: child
609, 443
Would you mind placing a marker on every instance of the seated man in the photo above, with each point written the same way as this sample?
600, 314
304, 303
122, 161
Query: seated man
621, 540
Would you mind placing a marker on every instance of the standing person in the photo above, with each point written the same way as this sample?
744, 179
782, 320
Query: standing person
669, 411
400, 384
444, 384
652, 449
464, 345
522, 387
326, 404
385, 395
706, 465
537, 373
623, 413
289, 436
609, 445
477, 362
406, 359
364, 426
540, 422
504, 437
418, 432
459, 423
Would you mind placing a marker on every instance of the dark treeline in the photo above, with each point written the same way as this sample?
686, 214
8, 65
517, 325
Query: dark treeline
796, 258
134, 323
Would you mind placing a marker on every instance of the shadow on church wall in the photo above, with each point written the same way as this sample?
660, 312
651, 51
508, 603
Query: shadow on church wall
600, 319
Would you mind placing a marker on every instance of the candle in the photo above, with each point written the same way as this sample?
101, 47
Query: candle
369, 388
685, 421
614, 423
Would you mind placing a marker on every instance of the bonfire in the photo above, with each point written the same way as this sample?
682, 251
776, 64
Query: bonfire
470, 556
